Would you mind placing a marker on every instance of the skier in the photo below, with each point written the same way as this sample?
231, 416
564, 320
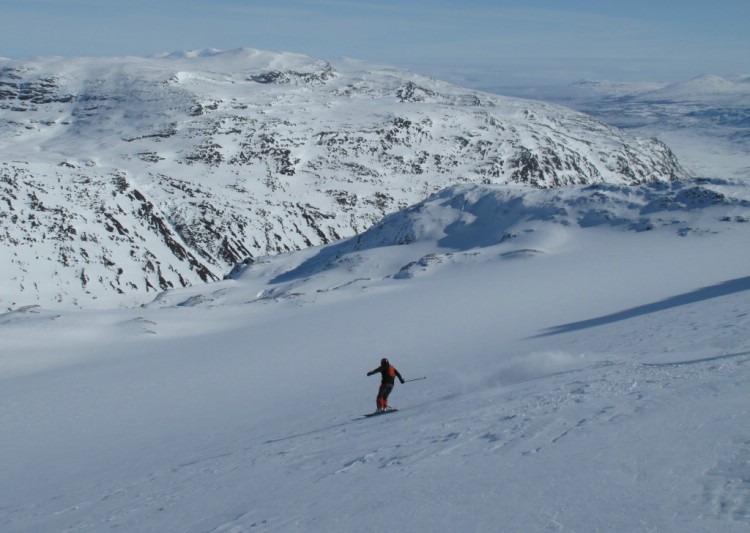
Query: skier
389, 375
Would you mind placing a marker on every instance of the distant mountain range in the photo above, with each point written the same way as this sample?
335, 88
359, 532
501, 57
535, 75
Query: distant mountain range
124, 177
716, 106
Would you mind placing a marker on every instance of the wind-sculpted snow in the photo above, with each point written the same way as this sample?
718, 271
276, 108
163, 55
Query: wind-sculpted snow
466, 217
174, 169
479, 223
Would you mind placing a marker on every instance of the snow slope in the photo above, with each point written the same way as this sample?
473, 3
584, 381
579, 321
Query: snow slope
587, 368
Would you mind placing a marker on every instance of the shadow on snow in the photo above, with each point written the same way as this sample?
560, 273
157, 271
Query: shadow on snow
705, 293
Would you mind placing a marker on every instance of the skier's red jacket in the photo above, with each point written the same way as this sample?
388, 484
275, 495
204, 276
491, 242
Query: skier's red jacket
388, 373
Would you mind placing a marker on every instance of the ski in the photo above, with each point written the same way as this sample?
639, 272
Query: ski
376, 413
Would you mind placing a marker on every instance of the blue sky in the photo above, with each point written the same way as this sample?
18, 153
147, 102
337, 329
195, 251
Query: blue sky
479, 42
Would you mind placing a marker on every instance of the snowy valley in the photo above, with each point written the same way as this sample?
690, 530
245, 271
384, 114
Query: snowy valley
580, 313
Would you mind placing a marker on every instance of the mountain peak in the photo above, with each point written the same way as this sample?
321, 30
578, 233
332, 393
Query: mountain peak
189, 54
235, 61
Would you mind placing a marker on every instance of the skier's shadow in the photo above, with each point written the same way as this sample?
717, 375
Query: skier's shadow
705, 293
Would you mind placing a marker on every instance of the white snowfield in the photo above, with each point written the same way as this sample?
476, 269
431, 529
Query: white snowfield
578, 378
585, 349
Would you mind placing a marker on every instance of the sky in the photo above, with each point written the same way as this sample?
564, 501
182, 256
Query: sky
479, 42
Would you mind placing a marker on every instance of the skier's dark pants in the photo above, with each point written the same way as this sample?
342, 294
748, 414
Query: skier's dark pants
383, 393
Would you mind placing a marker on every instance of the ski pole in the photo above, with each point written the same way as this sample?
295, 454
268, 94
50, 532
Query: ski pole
415, 379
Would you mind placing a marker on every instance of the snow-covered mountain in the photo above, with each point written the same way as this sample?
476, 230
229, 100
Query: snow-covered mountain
706, 119
706, 101
123, 177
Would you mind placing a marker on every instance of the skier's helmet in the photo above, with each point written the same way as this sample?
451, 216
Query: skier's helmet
384, 361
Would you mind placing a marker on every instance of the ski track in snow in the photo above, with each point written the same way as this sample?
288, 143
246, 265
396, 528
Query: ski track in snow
517, 423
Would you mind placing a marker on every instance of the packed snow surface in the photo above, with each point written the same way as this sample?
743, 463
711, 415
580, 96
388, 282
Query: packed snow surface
579, 377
